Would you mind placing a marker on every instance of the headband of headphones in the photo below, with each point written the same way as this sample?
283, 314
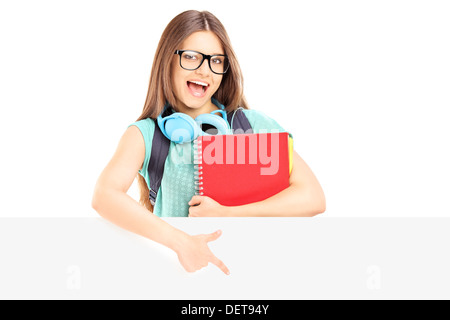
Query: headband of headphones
181, 128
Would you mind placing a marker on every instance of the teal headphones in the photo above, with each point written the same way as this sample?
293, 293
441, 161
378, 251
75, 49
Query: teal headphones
181, 128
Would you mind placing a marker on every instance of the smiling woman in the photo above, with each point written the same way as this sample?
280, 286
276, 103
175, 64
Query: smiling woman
195, 78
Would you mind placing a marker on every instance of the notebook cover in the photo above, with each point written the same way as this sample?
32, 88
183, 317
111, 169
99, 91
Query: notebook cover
244, 168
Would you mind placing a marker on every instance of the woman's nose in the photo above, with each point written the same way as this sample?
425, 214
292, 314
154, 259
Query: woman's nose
204, 68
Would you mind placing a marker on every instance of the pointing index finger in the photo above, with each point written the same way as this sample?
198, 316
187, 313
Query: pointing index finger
216, 261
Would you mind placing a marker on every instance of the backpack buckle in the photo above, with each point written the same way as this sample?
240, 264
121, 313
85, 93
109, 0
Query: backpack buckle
152, 197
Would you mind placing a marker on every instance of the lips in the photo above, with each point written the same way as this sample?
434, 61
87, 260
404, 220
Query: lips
197, 88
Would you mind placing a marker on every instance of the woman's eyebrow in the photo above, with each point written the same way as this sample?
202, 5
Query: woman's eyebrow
212, 54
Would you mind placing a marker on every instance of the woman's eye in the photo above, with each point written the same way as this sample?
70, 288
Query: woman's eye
189, 56
217, 61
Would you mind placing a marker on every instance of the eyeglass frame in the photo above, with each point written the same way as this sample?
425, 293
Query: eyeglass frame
204, 57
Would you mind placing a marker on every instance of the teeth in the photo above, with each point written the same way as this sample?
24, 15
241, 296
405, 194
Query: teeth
200, 83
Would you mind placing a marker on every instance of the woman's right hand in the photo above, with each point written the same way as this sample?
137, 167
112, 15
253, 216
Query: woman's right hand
195, 254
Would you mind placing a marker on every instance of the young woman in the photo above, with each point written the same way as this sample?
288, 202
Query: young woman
195, 71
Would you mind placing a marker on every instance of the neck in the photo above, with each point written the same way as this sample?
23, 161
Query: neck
195, 112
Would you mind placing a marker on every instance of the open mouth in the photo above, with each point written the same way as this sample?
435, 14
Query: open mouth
198, 88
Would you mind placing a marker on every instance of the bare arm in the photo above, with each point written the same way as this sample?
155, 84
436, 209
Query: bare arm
113, 203
304, 197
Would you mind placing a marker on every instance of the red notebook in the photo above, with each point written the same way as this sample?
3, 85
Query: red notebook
241, 168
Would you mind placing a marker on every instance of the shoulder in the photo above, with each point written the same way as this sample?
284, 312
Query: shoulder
260, 121
141, 135
255, 114
133, 139
146, 126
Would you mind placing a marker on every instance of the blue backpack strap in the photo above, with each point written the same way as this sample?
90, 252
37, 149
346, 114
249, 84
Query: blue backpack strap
238, 120
160, 150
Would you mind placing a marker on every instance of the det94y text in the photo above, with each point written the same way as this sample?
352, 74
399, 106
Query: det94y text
228, 309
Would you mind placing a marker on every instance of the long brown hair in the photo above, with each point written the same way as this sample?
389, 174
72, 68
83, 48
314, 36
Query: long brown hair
230, 92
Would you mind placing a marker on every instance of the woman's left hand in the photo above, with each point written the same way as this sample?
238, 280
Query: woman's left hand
203, 206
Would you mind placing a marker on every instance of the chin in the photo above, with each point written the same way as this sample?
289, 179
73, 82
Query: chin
196, 103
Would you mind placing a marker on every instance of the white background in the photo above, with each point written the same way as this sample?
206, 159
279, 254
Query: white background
362, 85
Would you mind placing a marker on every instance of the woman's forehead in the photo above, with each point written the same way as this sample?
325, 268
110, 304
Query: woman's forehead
203, 41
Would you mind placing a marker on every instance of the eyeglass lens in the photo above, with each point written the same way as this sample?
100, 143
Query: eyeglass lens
191, 60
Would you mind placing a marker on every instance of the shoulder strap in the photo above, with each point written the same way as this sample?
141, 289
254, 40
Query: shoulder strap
238, 120
160, 150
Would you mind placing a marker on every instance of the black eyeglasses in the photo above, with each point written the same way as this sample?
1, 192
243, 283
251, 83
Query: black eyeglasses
192, 60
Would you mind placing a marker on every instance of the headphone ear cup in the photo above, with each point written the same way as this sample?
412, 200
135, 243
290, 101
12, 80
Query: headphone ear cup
218, 122
161, 121
180, 128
